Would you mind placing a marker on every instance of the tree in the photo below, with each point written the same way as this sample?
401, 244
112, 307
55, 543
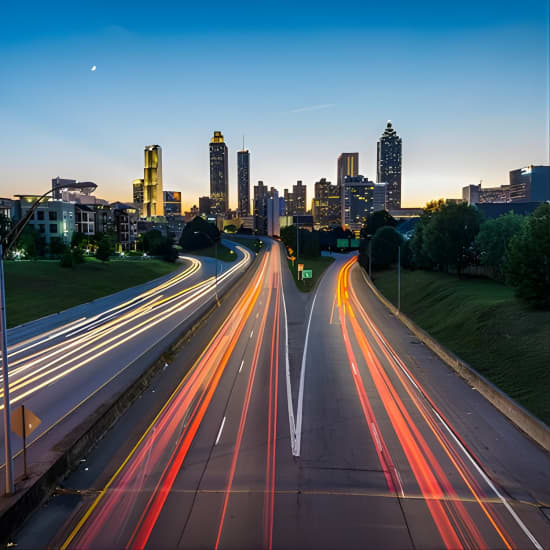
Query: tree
199, 234
449, 235
57, 246
375, 221
527, 259
419, 256
104, 249
32, 242
6, 225
385, 245
493, 238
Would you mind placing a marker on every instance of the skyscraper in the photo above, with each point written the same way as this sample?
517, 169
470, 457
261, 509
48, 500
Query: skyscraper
289, 202
388, 166
243, 182
137, 185
348, 165
299, 194
153, 198
261, 197
219, 176
357, 201
326, 204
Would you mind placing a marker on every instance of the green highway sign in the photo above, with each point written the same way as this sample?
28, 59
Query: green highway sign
342, 243
354, 243
307, 274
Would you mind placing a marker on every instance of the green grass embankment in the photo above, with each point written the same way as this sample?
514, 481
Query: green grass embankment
317, 265
35, 289
484, 324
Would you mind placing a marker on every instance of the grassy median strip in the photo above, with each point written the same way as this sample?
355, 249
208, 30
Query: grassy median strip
317, 266
484, 324
35, 289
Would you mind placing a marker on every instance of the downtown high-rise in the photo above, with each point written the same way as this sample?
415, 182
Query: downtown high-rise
348, 165
388, 166
148, 193
243, 182
219, 175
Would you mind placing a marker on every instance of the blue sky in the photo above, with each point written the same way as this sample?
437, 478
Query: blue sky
466, 87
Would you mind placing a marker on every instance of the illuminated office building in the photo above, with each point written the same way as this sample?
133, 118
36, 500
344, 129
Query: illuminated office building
299, 195
153, 198
138, 193
357, 202
348, 165
388, 160
243, 182
326, 208
219, 175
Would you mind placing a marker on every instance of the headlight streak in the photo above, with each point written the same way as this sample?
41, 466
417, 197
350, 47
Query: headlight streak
201, 290
85, 323
194, 393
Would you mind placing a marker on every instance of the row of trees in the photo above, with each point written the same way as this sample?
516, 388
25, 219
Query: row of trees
451, 237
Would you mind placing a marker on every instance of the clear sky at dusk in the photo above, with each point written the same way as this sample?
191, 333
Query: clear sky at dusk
464, 83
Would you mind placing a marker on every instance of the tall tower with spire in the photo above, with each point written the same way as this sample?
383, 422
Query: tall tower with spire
219, 177
388, 165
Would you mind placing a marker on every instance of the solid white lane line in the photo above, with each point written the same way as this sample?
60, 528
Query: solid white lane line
291, 421
376, 436
241, 367
354, 369
298, 436
252, 333
220, 432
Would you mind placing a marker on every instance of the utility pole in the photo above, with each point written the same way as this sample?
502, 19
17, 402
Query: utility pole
399, 279
370, 258
10, 487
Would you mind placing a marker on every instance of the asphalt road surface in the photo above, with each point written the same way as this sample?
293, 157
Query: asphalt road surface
369, 442
55, 373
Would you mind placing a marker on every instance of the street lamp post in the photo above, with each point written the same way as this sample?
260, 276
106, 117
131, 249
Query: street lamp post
5, 245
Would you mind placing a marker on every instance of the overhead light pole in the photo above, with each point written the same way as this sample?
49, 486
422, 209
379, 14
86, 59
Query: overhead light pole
5, 244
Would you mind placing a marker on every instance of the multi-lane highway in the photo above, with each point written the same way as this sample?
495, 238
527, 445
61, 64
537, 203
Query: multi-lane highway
382, 446
56, 373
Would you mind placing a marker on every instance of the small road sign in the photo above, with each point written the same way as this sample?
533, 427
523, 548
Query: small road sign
23, 423
307, 274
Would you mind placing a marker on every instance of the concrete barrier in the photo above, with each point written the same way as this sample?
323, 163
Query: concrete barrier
537, 430
65, 455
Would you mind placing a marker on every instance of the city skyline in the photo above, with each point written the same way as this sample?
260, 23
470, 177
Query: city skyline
450, 73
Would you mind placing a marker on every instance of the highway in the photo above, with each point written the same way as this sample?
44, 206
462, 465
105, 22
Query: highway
366, 441
56, 373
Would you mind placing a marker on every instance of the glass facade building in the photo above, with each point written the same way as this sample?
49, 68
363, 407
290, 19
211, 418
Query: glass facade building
153, 199
243, 182
219, 175
530, 184
388, 163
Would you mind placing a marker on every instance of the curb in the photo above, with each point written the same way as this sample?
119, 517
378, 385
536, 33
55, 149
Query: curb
65, 455
537, 430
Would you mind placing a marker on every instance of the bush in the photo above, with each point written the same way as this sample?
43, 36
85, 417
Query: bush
104, 250
66, 259
57, 247
527, 260
78, 255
